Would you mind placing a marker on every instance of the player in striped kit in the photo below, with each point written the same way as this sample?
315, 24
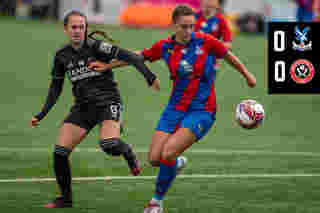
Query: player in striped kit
210, 20
191, 111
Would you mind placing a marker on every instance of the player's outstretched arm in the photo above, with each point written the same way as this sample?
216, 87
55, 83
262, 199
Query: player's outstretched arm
137, 61
102, 67
124, 57
55, 90
236, 63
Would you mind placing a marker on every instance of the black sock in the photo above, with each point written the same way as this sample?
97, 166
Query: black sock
117, 147
62, 170
129, 155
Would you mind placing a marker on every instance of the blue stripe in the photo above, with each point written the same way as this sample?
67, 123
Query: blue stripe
190, 57
207, 79
213, 64
210, 23
210, 66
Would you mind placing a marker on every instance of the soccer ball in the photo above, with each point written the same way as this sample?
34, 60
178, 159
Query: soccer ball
249, 114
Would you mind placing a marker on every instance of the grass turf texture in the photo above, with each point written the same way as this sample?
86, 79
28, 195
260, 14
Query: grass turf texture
290, 126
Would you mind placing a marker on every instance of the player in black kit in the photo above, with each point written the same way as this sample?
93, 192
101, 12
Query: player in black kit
97, 100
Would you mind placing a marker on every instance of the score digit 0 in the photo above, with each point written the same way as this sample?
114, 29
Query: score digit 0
279, 36
279, 71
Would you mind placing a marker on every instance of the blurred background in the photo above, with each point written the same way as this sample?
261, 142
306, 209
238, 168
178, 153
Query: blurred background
272, 169
243, 15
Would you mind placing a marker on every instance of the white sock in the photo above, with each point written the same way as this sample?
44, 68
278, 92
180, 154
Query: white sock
155, 201
181, 161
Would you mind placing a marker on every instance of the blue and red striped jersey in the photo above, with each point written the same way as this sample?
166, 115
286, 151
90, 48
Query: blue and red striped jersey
216, 26
191, 68
305, 4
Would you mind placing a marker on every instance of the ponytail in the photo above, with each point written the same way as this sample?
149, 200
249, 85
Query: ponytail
103, 34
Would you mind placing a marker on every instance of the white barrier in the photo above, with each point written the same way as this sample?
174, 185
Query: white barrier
283, 10
110, 9
108, 13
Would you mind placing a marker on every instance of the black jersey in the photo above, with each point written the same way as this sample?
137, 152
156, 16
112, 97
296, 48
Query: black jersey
89, 86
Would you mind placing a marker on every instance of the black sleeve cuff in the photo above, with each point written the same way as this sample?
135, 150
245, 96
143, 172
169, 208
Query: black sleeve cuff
138, 62
39, 116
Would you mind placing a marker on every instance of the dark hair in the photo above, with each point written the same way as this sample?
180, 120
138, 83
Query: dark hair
71, 13
222, 2
91, 35
181, 10
101, 33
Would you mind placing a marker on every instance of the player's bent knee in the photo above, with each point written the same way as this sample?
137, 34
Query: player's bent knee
62, 151
168, 155
154, 163
67, 145
113, 146
154, 159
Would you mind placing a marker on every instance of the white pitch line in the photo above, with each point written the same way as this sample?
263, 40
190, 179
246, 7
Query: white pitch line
195, 176
199, 151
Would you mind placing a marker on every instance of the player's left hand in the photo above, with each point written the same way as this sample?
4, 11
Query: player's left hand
156, 85
34, 122
99, 66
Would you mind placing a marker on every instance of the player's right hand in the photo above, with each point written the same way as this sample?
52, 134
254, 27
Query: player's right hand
34, 122
156, 85
251, 80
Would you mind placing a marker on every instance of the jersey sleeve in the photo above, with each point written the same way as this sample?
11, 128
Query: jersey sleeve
105, 50
225, 30
154, 53
53, 95
214, 45
58, 69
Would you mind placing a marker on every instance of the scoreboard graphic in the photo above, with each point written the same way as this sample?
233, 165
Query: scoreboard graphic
293, 60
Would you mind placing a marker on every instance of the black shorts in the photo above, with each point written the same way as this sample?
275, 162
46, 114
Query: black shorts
88, 116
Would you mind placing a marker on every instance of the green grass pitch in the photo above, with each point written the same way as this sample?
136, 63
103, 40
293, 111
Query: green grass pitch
286, 144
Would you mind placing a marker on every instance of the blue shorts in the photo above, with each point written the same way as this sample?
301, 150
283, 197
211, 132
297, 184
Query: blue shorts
198, 122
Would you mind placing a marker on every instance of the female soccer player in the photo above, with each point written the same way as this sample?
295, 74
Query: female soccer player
305, 10
191, 111
210, 20
97, 100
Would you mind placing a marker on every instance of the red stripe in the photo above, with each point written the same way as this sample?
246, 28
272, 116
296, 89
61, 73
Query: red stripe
168, 163
198, 24
174, 84
177, 127
193, 85
174, 60
211, 102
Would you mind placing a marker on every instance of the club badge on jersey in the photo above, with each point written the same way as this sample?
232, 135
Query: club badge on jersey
105, 47
79, 70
